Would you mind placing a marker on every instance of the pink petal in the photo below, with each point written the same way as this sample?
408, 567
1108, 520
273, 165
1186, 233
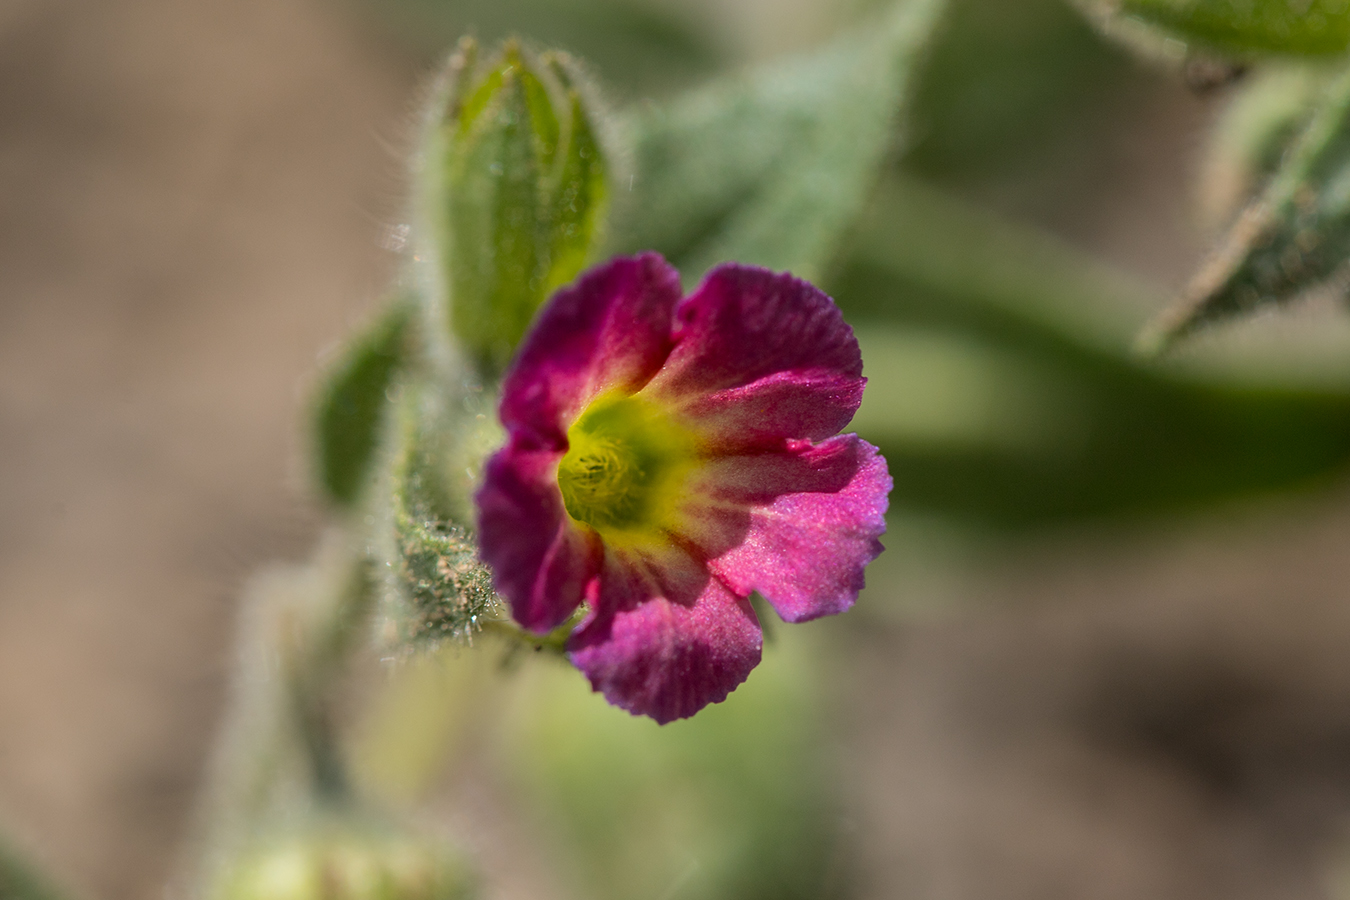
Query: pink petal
765, 413
541, 561
610, 330
666, 639
813, 517
761, 356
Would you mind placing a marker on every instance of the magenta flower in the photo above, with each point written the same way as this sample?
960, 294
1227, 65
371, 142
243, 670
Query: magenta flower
665, 458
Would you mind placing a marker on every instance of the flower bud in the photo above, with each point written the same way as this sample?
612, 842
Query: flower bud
516, 194
346, 867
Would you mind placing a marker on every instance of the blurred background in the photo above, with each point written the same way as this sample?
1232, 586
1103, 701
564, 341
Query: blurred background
1103, 657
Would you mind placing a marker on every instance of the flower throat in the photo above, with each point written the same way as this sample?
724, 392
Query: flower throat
622, 469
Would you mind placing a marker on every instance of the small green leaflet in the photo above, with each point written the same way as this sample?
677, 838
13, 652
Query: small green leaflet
349, 414
1294, 237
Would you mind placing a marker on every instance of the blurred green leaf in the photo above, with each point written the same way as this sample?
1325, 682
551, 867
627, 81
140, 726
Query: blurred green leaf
639, 47
349, 414
1294, 237
1266, 114
944, 390
20, 881
770, 167
1303, 27
1033, 410
732, 804
1002, 82
998, 267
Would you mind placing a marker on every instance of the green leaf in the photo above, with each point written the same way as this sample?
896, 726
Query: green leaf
1257, 126
1301, 27
941, 244
692, 809
20, 881
1001, 84
349, 414
1294, 237
770, 167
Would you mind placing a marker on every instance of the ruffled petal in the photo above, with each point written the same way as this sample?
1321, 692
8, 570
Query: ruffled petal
765, 413
811, 522
542, 562
608, 331
743, 375
761, 357
666, 639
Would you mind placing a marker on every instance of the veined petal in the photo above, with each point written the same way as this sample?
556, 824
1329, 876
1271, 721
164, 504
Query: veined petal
763, 414
721, 494
665, 639
608, 332
764, 351
542, 562
812, 519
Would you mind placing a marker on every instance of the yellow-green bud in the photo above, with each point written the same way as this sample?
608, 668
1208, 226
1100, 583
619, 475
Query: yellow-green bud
346, 868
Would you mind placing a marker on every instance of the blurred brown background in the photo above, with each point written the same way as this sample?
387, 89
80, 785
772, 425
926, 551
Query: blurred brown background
194, 200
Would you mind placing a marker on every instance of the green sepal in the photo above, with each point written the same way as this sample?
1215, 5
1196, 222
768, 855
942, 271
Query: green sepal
1307, 28
495, 212
1294, 237
443, 587
579, 192
517, 192
350, 410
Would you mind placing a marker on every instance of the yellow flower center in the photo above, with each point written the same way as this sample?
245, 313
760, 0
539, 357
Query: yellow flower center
624, 469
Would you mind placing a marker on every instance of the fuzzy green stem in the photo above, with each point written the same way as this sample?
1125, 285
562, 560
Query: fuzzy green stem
315, 664
280, 753
555, 642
